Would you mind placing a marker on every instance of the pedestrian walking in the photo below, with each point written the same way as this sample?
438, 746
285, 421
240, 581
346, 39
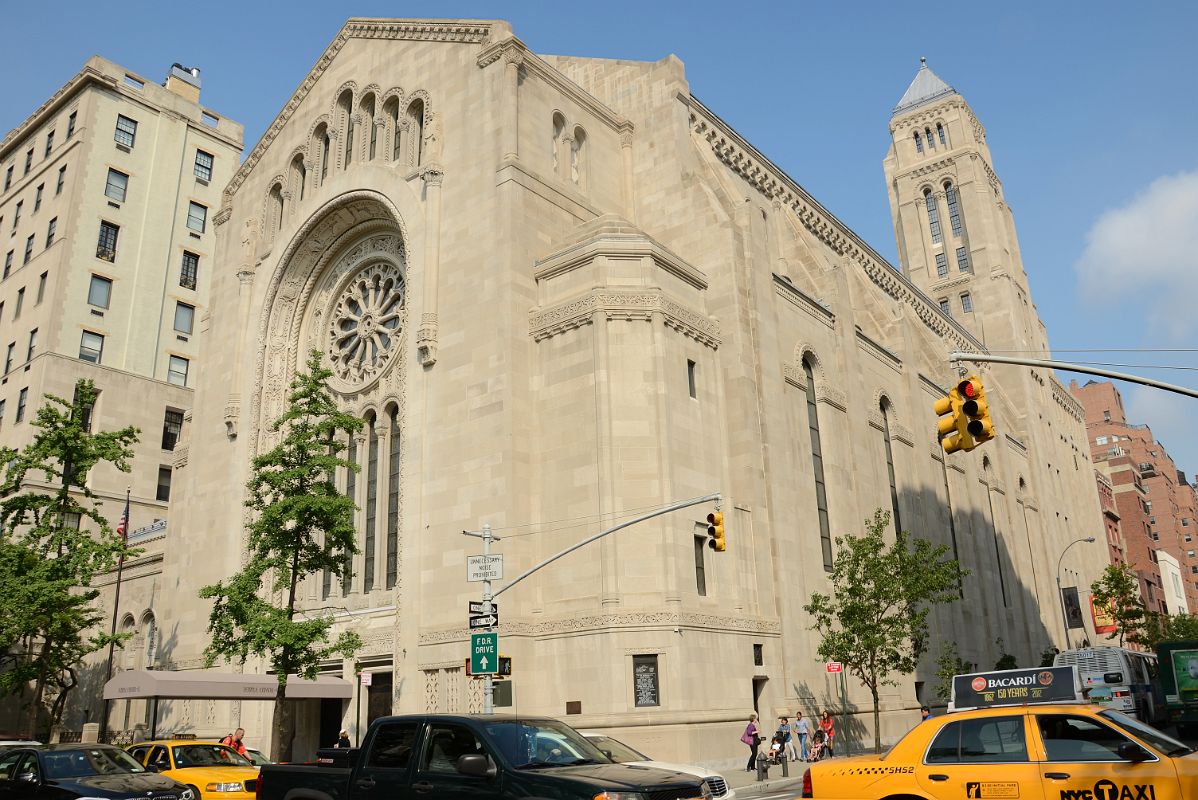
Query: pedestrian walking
802, 730
788, 745
234, 740
753, 740
828, 726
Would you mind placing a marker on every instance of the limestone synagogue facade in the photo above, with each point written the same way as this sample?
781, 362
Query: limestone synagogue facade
562, 292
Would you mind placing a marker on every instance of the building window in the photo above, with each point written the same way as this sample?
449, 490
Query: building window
49, 142
16, 216
62, 177
966, 303
71, 124
203, 165
8, 179
32, 346
184, 317
106, 244
645, 686
2, 404
372, 493
8, 262
37, 198
91, 347
28, 160
176, 371
690, 379
962, 260
918, 142
16, 314
817, 468
164, 485
189, 270
126, 130
197, 217
100, 292
118, 183
351, 491
1106, 416
940, 134
21, 400
324, 156
51, 229
944, 307
758, 655
700, 564
8, 357
954, 211
28, 249
1100, 440
41, 286
933, 216
393, 501
941, 265
884, 408
172, 427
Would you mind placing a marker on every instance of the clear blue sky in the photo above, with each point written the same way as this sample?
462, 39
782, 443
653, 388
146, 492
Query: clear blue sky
1091, 110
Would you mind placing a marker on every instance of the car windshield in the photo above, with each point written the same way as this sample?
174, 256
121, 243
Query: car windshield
620, 752
531, 744
1166, 744
209, 755
85, 762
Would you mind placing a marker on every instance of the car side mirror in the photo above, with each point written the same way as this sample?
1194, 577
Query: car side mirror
476, 765
27, 777
607, 753
1130, 751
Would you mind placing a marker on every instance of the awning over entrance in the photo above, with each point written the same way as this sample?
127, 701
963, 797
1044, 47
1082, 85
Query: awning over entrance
210, 684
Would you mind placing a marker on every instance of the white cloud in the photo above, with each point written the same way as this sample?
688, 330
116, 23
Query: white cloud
1147, 252
1170, 417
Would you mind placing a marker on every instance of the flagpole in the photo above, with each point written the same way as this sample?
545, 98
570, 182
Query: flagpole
123, 530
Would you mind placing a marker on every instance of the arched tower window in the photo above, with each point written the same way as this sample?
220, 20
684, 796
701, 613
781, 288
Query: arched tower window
954, 209
559, 127
393, 465
372, 494
884, 407
940, 134
927, 132
299, 176
933, 215
320, 138
346, 113
577, 154
366, 108
351, 491
274, 207
918, 142
150, 627
817, 468
415, 120
394, 123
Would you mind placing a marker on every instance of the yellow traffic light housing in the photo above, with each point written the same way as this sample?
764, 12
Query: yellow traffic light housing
952, 426
715, 532
978, 424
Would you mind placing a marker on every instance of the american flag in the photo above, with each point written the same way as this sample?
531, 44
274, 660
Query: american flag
122, 528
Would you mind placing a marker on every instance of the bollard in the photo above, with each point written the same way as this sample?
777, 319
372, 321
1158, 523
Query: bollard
763, 767
785, 766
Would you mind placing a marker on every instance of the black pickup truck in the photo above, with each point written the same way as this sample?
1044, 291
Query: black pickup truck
476, 757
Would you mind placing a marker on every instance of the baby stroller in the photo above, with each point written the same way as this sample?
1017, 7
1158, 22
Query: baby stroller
776, 752
816, 751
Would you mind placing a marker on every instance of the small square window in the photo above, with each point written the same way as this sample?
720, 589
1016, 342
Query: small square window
197, 217
203, 165
189, 271
91, 347
51, 229
118, 184
184, 317
99, 294
176, 371
126, 131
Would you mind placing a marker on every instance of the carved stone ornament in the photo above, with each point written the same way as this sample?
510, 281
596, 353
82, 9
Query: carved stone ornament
364, 324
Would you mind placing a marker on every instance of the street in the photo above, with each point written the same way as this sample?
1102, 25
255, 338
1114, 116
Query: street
773, 790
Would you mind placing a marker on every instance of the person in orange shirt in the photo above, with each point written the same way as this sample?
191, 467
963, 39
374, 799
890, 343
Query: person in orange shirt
829, 728
234, 740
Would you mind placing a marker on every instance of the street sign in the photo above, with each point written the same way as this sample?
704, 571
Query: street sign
483, 607
484, 653
834, 666
483, 621
484, 568
367, 677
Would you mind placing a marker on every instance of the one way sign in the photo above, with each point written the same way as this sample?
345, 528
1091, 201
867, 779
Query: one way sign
484, 621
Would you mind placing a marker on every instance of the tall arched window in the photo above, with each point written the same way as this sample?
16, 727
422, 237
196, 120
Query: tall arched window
372, 494
366, 109
577, 155
954, 210
884, 407
299, 176
988, 480
559, 127
933, 215
150, 628
275, 207
320, 146
817, 468
918, 142
393, 502
940, 134
391, 112
351, 491
415, 131
927, 132
345, 108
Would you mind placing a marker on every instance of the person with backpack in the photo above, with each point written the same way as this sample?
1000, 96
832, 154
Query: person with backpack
234, 740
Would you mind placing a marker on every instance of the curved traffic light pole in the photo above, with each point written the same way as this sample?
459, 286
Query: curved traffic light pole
1066, 366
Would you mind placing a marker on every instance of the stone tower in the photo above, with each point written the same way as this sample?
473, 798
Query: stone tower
955, 233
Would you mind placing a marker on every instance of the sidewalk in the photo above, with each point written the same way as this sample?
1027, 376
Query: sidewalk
739, 779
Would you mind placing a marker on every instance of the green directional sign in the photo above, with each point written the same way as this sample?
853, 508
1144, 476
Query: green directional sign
484, 653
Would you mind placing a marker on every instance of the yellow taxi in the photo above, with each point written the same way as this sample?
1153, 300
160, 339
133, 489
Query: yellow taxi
1070, 751
213, 771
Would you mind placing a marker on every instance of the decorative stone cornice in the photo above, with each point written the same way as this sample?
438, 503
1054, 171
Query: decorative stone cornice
610, 235
1066, 400
831, 396
884, 356
931, 387
1016, 445
623, 305
794, 375
949, 284
618, 620
222, 216
798, 298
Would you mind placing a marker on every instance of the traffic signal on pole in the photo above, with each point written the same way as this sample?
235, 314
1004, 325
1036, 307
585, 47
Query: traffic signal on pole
715, 532
978, 424
952, 425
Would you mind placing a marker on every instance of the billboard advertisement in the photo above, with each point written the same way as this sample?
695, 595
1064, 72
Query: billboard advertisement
1185, 670
1018, 686
1103, 616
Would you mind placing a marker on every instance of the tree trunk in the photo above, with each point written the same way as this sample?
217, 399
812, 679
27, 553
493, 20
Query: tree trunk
283, 723
873, 690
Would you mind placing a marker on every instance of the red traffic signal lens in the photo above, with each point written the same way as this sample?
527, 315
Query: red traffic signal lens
967, 388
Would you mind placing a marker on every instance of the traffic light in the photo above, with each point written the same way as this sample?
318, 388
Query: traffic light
978, 424
715, 532
952, 427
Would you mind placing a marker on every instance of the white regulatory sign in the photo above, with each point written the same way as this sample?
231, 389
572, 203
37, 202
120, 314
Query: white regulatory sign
484, 568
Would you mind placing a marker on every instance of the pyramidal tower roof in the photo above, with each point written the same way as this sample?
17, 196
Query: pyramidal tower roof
925, 88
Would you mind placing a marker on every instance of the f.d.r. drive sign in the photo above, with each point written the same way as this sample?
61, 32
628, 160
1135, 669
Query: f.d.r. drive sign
1015, 687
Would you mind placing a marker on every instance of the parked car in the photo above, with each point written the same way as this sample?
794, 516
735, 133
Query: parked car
491, 757
210, 769
69, 771
621, 753
257, 757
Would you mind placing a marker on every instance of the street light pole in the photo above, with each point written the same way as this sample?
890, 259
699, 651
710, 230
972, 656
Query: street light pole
1060, 594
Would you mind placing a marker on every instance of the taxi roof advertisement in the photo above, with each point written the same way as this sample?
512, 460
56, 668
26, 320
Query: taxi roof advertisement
1015, 687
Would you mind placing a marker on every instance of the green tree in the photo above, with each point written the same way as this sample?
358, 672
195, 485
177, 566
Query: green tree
48, 556
1159, 628
1119, 590
1005, 659
948, 664
876, 619
302, 526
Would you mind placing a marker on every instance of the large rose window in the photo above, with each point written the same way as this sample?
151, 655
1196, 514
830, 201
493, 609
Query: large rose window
365, 324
